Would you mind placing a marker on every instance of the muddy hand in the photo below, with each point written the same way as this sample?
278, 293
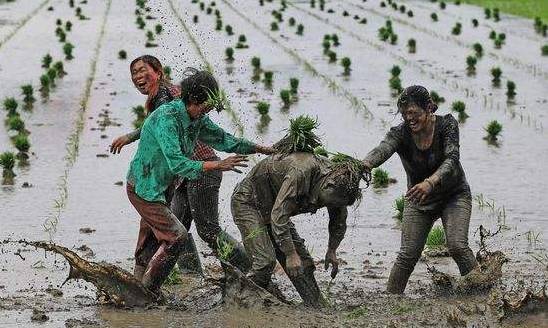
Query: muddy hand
419, 192
118, 143
232, 163
331, 258
294, 265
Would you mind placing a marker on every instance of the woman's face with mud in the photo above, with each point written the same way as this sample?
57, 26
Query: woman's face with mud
144, 77
415, 117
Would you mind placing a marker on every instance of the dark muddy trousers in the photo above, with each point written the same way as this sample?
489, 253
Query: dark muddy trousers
198, 201
455, 216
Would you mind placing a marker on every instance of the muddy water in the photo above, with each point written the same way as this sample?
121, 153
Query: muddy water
95, 200
14, 14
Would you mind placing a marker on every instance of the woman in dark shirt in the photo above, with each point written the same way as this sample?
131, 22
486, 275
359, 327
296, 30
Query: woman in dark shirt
428, 146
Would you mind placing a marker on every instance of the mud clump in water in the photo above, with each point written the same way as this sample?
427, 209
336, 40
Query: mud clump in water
530, 302
38, 316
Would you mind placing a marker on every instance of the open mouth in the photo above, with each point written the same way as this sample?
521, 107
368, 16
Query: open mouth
141, 85
413, 124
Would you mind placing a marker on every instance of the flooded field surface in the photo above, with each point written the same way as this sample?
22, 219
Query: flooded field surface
72, 190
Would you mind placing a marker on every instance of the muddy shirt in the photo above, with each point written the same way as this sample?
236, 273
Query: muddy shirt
283, 186
165, 94
442, 158
168, 137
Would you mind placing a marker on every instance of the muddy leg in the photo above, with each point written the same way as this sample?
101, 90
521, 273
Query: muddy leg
145, 250
416, 225
456, 220
305, 283
161, 265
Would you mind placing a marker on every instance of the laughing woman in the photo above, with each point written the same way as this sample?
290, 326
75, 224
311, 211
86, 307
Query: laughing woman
428, 146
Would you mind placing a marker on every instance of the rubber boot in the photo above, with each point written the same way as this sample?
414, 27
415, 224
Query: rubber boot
160, 266
397, 280
308, 289
239, 257
189, 260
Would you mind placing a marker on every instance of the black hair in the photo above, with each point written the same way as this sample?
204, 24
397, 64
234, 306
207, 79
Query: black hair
417, 95
197, 86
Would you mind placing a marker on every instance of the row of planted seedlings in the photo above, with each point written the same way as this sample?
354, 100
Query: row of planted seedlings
331, 41
15, 124
142, 13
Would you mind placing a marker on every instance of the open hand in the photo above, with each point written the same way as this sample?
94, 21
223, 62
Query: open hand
231, 163
118, 143
331, 258
419, 192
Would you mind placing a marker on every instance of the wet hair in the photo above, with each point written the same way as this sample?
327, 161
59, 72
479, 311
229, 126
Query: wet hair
152, 62
416, 95
197, 86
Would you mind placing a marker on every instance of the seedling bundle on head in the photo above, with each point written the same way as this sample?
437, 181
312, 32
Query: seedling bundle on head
67, 50
46, 61
229, 53
122, 54
286, 98
294, 85
28, 93
346, 62
300, 136
434, 17
7, 161
493, 129
460, 108
510, 89
471, 64
412, 46
496, 72
380, 177
10, 106
352, 170
300, 29
436, 237
217, 99
478, 49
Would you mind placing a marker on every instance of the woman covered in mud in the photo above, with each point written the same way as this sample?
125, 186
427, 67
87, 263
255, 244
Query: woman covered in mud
428, 146
191, 200
167, 141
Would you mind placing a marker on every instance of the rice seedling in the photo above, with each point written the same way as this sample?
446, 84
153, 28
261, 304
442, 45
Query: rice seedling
167, 72
140, 23
410, 13
158, 28
46, 61
195, 19
346, 62
10, 106
228, 30
510, 89
286, 98
457, 3
382, 4
225, 247
393, 38
261, 2
321, 151
492, 35
442, 5
52, 74
274, 26
68, 26
229, 54
256, 63
487, 13
28, 93
218, 25
263, 108
217, 14
292, 21
436, 98
241, 42
544, 50
499, 41
122, 54
59, 67
202, 6
496, 14
78, 11
22, 144
44, 85
150, 36
299, 137
471, 62
380, 178
363, 21
62, 36
294, 85
493, 129
332, 55
174, 277
15, 123
7, 161
475, 22
399, 205
71, 3
345, 13
326, 46
460, 108
478, 49
300, 29
402, 9
395, 71
335, 40
67, 50
268, 77
496, 73
412, 46
436, 237
456, 29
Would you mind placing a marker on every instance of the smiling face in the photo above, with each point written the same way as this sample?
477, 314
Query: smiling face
144, 77
415, 117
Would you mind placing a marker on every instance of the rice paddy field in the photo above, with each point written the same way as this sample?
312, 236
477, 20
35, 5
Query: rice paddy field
350, 59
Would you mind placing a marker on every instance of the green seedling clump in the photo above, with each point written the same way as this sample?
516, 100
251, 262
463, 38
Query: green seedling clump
335, 39
346, 62
59, 67
326, 46
195, 19
274, 26
68, 26
15, 123
399, 205
167, 72
475, 22
510, 89
218, 25
158, 28
496, 73
457, 29
436, 98
67, 50
28, 93
300, 29
493, 129
286, 97
263, 108
52, 74
294, 85
300, 136
268, 77
380, 178
228, 30
471, 62
478, 49
46, 61
7, 161
436, 237
332, 55
460, 108
229, 53
412, 46
256, 63
22, 144
122, 54
434, 17
10, 106
44, 84
292, 21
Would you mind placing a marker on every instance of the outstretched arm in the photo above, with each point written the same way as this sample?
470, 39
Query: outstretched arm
388, 146
337, 230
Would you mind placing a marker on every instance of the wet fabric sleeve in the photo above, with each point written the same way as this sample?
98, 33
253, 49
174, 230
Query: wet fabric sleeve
388, 146
294, 186
211, 134
134, 135
337, 226
167, 136
450, 135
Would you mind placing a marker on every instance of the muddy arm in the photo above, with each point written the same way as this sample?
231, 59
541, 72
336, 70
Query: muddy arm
134, 135
337, 226
388, 146
213, 135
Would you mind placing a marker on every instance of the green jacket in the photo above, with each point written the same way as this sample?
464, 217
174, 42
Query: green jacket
168, 137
